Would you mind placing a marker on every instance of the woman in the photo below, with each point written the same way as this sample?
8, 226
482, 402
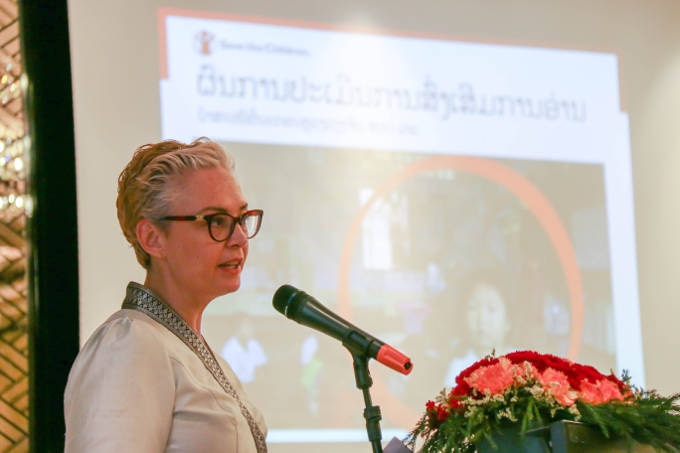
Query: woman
146, 380
488, 325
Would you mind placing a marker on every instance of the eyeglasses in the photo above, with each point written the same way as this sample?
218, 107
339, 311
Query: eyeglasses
221, 225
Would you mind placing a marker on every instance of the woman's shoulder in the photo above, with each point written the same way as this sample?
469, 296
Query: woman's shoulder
127, 329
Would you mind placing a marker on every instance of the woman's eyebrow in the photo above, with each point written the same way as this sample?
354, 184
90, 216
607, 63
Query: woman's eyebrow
220, 209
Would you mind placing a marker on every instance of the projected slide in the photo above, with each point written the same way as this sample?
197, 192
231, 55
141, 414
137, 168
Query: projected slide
450, 198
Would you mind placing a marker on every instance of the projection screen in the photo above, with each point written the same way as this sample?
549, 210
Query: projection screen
394, 168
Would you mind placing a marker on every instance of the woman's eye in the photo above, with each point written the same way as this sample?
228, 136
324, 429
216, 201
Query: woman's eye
219, 221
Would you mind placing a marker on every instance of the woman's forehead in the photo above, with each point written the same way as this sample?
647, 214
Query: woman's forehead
207, 187
486, 293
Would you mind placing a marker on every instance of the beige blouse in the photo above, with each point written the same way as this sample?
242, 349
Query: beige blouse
137, 387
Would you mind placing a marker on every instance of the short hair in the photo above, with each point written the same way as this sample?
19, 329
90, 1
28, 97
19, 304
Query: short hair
144, 185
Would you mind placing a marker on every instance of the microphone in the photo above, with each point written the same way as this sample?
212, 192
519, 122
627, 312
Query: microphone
304, 309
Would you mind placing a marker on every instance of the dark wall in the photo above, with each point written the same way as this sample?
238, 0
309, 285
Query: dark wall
52, 228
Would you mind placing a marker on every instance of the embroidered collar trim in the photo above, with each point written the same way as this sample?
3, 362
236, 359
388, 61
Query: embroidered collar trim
141, 298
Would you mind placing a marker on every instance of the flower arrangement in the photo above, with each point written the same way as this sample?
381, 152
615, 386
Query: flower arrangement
530, 390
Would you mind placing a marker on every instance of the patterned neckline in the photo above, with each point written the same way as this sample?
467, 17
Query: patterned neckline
141, 298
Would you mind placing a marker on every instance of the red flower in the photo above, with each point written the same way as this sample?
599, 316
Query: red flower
584, 373
436, 413
455, 396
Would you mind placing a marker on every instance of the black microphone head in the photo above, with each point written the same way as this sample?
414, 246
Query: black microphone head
283, 297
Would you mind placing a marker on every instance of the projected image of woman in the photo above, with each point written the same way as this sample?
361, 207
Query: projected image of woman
146, 380
486, 308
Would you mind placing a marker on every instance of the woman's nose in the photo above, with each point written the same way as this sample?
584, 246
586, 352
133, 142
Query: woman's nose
239, 236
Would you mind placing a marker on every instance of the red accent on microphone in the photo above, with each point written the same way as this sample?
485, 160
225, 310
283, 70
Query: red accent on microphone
394, 359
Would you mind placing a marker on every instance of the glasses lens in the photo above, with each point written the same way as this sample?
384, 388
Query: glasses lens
251, 223
220, 226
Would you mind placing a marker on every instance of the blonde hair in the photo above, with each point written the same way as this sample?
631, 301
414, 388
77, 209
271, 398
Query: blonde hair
145, 184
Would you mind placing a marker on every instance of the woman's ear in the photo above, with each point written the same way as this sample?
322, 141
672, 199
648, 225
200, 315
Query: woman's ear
151, 238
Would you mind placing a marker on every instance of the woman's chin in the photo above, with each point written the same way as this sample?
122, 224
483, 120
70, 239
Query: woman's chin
230, 286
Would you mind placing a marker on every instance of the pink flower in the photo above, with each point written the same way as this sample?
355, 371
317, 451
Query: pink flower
556, 383
610, 391
562, 379
526, 371
492, 379
600, 392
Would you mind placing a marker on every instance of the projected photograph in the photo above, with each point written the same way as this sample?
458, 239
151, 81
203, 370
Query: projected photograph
445, 257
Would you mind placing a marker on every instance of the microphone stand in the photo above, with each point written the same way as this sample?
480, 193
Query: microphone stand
371, 412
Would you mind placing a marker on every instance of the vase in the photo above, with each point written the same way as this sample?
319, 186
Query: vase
510, 440
576, 437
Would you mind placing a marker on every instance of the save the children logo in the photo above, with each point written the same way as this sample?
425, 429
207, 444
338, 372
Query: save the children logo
203, 42
207, 43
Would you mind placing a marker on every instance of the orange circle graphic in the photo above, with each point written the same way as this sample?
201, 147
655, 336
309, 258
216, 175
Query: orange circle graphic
517, 184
